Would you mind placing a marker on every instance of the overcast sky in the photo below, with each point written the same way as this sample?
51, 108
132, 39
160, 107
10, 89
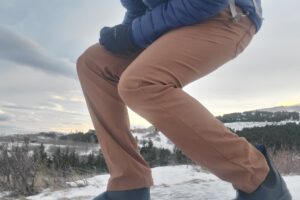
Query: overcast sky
41, 40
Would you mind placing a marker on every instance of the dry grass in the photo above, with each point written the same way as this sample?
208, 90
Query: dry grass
286, 160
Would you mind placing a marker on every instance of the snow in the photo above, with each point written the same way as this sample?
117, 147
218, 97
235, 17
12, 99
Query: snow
238, 126
3, 194
171, 182
159, 140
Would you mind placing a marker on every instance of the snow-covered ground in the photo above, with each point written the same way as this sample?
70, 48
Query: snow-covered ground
3, 194
183, 182
159, 140
238, 126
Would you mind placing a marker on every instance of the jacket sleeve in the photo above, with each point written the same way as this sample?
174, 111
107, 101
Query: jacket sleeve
134, 8
172, 14
130, 16
153, 3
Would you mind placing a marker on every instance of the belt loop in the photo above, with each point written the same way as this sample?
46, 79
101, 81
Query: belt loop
233, 11
232, 8
257, 9
235, 16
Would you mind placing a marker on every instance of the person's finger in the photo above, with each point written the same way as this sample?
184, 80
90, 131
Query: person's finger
106, 38
101, 40
104, 30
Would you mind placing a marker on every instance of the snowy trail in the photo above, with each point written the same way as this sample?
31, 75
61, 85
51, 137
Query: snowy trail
172, 182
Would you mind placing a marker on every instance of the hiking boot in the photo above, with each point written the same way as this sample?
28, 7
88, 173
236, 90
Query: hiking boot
135, 194
272, 188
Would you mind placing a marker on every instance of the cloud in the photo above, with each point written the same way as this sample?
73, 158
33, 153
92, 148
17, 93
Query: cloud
79, 99
4, 116
20, 107
21, 50
265, 74
52, 107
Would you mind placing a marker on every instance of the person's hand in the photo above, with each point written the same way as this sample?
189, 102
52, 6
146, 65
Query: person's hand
118, 40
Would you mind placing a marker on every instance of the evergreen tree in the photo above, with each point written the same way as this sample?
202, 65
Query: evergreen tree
164, 157
149, 152
91, 161
100, 163
180, 157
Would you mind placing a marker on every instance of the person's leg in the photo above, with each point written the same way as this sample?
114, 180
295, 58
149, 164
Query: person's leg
152, 87
99, 71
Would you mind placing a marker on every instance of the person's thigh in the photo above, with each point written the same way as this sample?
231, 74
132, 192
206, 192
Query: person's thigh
102, 62
188, 53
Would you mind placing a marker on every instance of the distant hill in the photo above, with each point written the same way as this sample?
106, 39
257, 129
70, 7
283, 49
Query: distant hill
236, 121
260, 116
273, 114
294, 108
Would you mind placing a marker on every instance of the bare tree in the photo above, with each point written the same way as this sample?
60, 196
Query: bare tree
17, 169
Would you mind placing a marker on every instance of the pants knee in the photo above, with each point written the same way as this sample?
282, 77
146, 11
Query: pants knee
138, 91
80, 66
128, 89
83, 62
123, 88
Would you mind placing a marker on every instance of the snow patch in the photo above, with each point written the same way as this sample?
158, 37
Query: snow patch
238, 126
183, 182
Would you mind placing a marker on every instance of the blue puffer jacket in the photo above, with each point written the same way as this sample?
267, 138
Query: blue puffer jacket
151, 18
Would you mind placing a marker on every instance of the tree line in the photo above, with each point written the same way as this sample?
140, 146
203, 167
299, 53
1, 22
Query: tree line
259, 116
274, 136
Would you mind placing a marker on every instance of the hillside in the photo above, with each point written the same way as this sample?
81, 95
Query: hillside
52, 140
260, 116
294, 108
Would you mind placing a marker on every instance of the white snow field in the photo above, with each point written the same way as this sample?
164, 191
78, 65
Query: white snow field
238, 126
184, 182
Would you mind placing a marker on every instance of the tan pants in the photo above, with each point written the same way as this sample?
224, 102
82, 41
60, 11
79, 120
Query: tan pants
151, 85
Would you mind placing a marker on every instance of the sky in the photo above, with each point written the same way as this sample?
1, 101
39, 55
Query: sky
40, 42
